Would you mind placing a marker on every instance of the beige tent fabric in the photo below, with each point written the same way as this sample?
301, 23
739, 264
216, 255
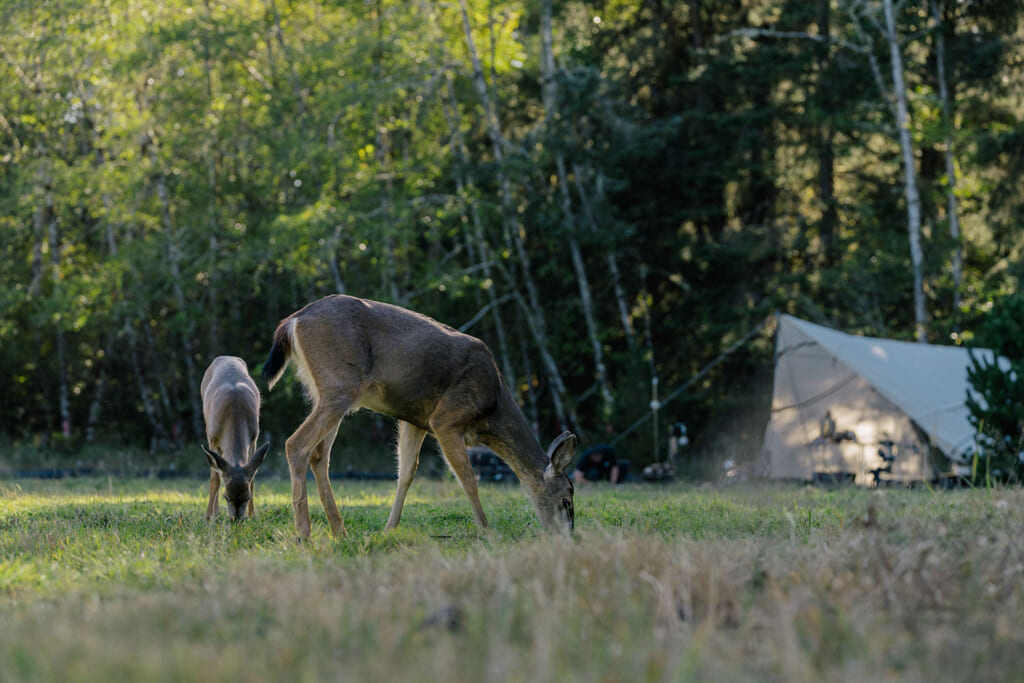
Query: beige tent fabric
839, 399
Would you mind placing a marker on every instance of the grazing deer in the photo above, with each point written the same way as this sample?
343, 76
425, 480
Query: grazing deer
231, 407
352, 353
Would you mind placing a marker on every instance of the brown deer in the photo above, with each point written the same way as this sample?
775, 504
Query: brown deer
352, 353
231, 407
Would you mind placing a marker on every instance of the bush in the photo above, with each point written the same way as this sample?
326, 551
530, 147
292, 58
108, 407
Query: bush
997, 402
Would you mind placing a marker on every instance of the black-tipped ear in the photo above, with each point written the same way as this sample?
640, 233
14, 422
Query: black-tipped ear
216, 462
257, 459
560, 452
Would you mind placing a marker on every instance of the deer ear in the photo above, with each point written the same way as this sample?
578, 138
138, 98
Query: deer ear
216, 462
560, 452
257, 459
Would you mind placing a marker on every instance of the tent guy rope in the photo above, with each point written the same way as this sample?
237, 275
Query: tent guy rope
703, 371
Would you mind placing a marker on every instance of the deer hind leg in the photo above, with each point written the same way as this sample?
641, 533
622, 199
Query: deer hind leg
453, 446
410, 440
211, 507
298, 451
320, 461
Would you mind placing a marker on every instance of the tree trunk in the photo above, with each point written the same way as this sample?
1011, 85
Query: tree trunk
39, 236
532, 311
63, 401
532, 409
952, 209
151, 411
610, 258
168, 405
100, 363
96, 407
465, 186
332, 260
909, 175
174, 265
209, 152
826, 149
645, 297
297, 89
549, 89
389, 273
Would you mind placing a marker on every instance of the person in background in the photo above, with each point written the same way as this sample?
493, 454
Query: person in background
598, 463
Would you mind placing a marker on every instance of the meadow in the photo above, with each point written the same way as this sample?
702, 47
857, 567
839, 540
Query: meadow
123, 579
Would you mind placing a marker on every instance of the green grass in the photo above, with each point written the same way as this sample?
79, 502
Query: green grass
107, 579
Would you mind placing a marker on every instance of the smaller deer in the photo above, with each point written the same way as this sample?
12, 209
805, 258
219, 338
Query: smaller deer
231, 408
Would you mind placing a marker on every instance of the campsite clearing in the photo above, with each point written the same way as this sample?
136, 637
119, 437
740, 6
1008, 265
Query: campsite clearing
107, 579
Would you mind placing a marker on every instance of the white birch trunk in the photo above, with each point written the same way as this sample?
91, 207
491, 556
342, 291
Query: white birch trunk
464, 185
549, 89
532, 312
909, 175
613, 264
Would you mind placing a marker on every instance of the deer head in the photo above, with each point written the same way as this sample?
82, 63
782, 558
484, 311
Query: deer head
237, 480
553, 500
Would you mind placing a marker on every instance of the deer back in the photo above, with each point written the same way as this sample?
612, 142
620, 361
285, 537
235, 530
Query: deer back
391, 360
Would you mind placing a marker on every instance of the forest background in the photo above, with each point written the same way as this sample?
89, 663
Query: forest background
610, 194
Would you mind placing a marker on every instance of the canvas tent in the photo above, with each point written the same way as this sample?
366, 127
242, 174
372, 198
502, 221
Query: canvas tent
843, 404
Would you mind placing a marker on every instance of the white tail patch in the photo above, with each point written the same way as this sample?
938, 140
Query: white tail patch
302, 365
273, 379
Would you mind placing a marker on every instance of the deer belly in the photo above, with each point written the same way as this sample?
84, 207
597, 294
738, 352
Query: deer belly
415, 412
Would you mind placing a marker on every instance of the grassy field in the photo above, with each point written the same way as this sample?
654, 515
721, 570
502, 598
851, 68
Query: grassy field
107, 579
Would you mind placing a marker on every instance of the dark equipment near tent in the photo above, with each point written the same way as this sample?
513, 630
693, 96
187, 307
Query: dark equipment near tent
666, 471
489, 467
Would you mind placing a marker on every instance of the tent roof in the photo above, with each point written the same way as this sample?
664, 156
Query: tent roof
927, 381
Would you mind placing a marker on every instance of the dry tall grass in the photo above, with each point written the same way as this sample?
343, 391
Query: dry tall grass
658, 585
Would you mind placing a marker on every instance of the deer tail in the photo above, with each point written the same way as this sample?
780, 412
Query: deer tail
276, 362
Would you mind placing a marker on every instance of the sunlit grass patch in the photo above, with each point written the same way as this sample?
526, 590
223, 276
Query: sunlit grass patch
659, 583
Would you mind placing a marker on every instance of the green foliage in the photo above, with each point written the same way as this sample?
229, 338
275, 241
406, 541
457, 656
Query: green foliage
176, 178
997, 402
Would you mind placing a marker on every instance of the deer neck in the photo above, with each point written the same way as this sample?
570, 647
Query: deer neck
509, 435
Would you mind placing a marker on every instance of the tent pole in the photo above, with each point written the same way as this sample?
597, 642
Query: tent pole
654, 418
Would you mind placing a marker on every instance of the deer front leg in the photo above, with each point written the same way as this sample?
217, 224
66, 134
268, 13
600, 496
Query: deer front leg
320, 460
453, 446
211, 506
410, 440
298, 461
